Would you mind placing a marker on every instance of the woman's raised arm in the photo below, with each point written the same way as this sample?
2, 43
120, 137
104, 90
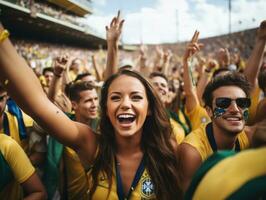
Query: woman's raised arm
24, 87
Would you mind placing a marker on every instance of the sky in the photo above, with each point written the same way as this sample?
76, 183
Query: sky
169, 21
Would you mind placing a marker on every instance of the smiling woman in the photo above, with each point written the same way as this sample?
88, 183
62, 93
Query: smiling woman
127, 106
136, 140
133, 157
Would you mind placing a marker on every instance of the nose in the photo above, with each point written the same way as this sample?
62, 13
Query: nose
155, 85
233, 107
125, 104
94, 103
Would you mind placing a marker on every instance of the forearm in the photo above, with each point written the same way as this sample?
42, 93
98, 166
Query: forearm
16, 76
165, 67
112, 59
254, 62
37, 159
203, 81
95, 67
158, 64
33, 188
259, 137
54, 88
142, 62
189, 88
24, 87
36, 196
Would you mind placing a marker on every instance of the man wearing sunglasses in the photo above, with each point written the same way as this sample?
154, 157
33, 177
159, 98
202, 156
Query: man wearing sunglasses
226, 101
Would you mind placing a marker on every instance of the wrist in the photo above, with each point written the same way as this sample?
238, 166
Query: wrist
3, 35
112, 45
142, 57
58, 75
112, 41
208, 70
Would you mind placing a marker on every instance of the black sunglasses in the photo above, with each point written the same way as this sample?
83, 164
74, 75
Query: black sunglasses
225, 102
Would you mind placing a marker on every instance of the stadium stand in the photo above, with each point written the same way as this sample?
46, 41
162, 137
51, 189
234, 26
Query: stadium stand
45, 21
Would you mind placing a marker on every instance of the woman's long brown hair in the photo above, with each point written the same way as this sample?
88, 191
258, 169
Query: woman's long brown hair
160, 158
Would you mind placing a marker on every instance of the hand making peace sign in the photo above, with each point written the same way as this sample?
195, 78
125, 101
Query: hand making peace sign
193, 46
113, 32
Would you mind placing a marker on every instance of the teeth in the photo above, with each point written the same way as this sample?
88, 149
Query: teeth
233, 119
125, 116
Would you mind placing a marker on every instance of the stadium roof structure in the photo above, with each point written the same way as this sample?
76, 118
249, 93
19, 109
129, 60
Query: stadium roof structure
80, 8
23, 23
128, 47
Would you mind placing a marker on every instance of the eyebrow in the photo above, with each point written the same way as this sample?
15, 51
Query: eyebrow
3, 96
134, 92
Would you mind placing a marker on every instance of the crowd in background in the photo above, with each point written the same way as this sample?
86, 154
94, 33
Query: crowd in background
40, 55
152, 123
38, 6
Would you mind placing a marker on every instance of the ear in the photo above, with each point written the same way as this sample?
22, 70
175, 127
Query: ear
209, 111
74, 105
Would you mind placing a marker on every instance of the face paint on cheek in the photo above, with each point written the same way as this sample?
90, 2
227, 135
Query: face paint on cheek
245, 114
218, 112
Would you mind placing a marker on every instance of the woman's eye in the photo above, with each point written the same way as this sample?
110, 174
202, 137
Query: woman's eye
115, 98
137, 97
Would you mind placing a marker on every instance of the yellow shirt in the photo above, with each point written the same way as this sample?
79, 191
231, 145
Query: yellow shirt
77, 185
177, 130
42, 80
20, 166
14, 129
233, 173
182, 117
197, 117
72, 75
199, 140
143, 190
255, 97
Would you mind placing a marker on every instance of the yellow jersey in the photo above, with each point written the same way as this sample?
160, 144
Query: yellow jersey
197, 117
77, 185
19, 164
12, 128
199, 140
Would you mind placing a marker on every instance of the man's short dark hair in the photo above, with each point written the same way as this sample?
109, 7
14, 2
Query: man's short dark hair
47, 69
229, 79
81, 76
72, 90
154, 74
220, 70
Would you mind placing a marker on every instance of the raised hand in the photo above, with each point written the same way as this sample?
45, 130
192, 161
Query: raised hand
60, 64
113, 32
159, 51
143, 50
193, 46
223, 57
211, 64
262, 30
167, 55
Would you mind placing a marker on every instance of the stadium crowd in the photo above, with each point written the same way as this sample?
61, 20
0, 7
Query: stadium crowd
38, 6
184, 121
